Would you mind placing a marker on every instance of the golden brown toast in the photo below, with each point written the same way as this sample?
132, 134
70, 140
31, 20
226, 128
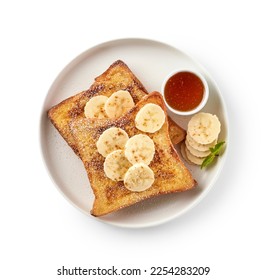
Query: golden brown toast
171, 175
117, 77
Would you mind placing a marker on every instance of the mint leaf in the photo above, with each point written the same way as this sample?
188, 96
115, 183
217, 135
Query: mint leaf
217, 148
207, 161
214, 153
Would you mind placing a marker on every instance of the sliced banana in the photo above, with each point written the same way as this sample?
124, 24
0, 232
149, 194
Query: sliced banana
116, 165
94, 108
192, 158
118, 104
140, 148
204, 128
200, 147
139, 177
111, 139
150, 118
195, 152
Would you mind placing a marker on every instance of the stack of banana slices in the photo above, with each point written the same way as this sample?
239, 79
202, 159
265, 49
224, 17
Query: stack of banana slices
127, 159
202, 134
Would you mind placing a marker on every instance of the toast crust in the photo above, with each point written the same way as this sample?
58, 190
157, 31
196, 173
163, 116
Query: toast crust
117, 77
171, 175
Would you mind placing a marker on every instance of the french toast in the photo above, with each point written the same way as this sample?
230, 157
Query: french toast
170, 174
117, 77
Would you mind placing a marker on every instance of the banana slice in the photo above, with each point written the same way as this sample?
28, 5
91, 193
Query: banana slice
195, 152
200, 147
118, 104
204, 128
94, 108
111, 139
140, 148
116, 165
139, 177
192, 158
150, 118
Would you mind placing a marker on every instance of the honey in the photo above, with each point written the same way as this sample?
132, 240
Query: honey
184, 91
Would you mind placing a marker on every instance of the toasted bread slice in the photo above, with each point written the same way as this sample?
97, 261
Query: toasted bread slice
117, 77
171, 175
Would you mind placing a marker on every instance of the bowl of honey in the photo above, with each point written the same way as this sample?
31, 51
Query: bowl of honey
185, 92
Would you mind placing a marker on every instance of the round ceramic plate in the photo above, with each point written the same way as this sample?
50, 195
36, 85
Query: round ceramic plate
151, 62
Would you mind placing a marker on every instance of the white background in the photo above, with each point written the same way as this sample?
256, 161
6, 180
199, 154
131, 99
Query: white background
40, 230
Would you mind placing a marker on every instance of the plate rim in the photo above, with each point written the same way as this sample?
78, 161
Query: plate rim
43, 116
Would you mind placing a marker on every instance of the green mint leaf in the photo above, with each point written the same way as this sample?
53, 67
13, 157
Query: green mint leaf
217, 148
214, 152
207, 161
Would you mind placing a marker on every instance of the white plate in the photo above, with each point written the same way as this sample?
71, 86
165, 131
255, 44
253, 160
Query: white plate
151, 61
